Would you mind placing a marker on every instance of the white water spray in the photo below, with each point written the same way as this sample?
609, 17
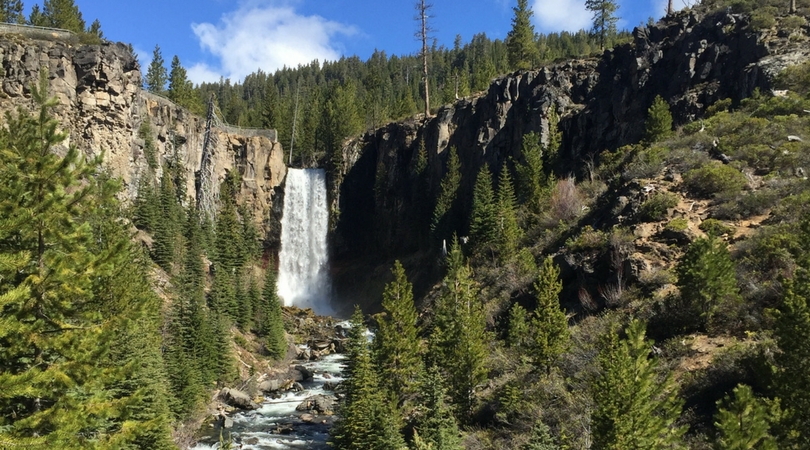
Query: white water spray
303, 278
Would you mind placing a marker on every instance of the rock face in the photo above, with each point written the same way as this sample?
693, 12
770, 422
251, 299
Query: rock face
689, 59
102, 107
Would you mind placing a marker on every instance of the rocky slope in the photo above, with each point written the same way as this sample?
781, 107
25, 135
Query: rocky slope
102, 106
691, 59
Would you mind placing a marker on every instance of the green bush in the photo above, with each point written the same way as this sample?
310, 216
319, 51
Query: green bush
714, 227
747, 205
792, 23
677, 224
713, 179
719, 106
655, 208
646, 163
796, 78
588, 240
762, 19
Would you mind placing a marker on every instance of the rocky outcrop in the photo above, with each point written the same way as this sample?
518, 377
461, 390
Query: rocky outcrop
691, 59
102, 107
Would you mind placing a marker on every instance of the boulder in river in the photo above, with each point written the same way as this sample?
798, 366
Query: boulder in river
301, 373
321, 404
271, 385
237, 399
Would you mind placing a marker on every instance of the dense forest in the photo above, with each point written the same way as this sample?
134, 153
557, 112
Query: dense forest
117, 320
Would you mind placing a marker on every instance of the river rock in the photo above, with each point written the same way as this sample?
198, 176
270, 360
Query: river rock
330, 385
301, 373
271, 385
237, 399
321, 404
227, 422
307, 418
297, 387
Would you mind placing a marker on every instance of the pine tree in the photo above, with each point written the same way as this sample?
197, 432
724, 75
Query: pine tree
63, 14
11, 11
484, 216
146, 209
459, 338
658, 125
707, 281
397, 344
509, 232
549, 323
156, 75
743, 422
541, 439
36, 18
366, 420
518, 334
520, 44
435, 425
792, 332
60, 385
166, 227
604, 20
443, 223
181, 90
272, 321
635, 410
531, 175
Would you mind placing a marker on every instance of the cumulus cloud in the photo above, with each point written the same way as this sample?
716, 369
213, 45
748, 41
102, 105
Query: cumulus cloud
267, 36
561, 15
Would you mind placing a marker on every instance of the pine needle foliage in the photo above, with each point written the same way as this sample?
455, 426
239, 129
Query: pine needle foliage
658, 125
743, 422
397, 344
520, 45
484, 216
549, 324
62, 373
635, 409
443, 224
509, 232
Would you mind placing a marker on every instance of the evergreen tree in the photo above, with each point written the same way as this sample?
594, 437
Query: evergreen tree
792, 332
60, 380
181, 90
459, 338
146, 207
11, 11
552, 147
156, 75
518, 335
36, 18
541, 439
435, 425
635, 410
531, 176
659, 121
549, 323
520, 44
397, 344
484, 216
509, 232
271, 319
744, 422
604, 20
443, 223
166, 227
63, 14
707, 281
366, 420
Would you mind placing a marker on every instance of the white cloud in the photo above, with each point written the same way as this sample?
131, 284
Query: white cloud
144, 58
266, 35
561, 15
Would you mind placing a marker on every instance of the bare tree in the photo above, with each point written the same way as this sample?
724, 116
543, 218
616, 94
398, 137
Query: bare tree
422, 8
793, 6
669, 7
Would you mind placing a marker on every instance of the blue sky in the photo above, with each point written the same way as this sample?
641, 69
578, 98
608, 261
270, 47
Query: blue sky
215, 38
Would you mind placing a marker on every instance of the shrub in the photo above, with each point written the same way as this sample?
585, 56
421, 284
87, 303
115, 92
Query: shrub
655, 208
566, 202
718, 107
677, 224
659, 121
796, 78
646, 163
588, 239
714, 227
747, 205
713, 179
762, 19
792, 23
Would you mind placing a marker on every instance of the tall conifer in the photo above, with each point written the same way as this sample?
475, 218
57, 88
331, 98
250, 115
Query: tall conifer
520, 45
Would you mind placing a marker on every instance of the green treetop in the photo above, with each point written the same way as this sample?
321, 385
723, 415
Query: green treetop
156, 75
604, 20
63, 14
520, 46
397, 343
443, 223
11, 11
659, 121
549, 324
635, 409
743, 422
509, 232
484, 216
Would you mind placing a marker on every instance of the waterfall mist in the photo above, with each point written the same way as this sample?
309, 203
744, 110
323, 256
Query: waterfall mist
303, 278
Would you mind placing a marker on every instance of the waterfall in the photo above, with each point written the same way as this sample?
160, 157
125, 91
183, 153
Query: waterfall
303, 278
